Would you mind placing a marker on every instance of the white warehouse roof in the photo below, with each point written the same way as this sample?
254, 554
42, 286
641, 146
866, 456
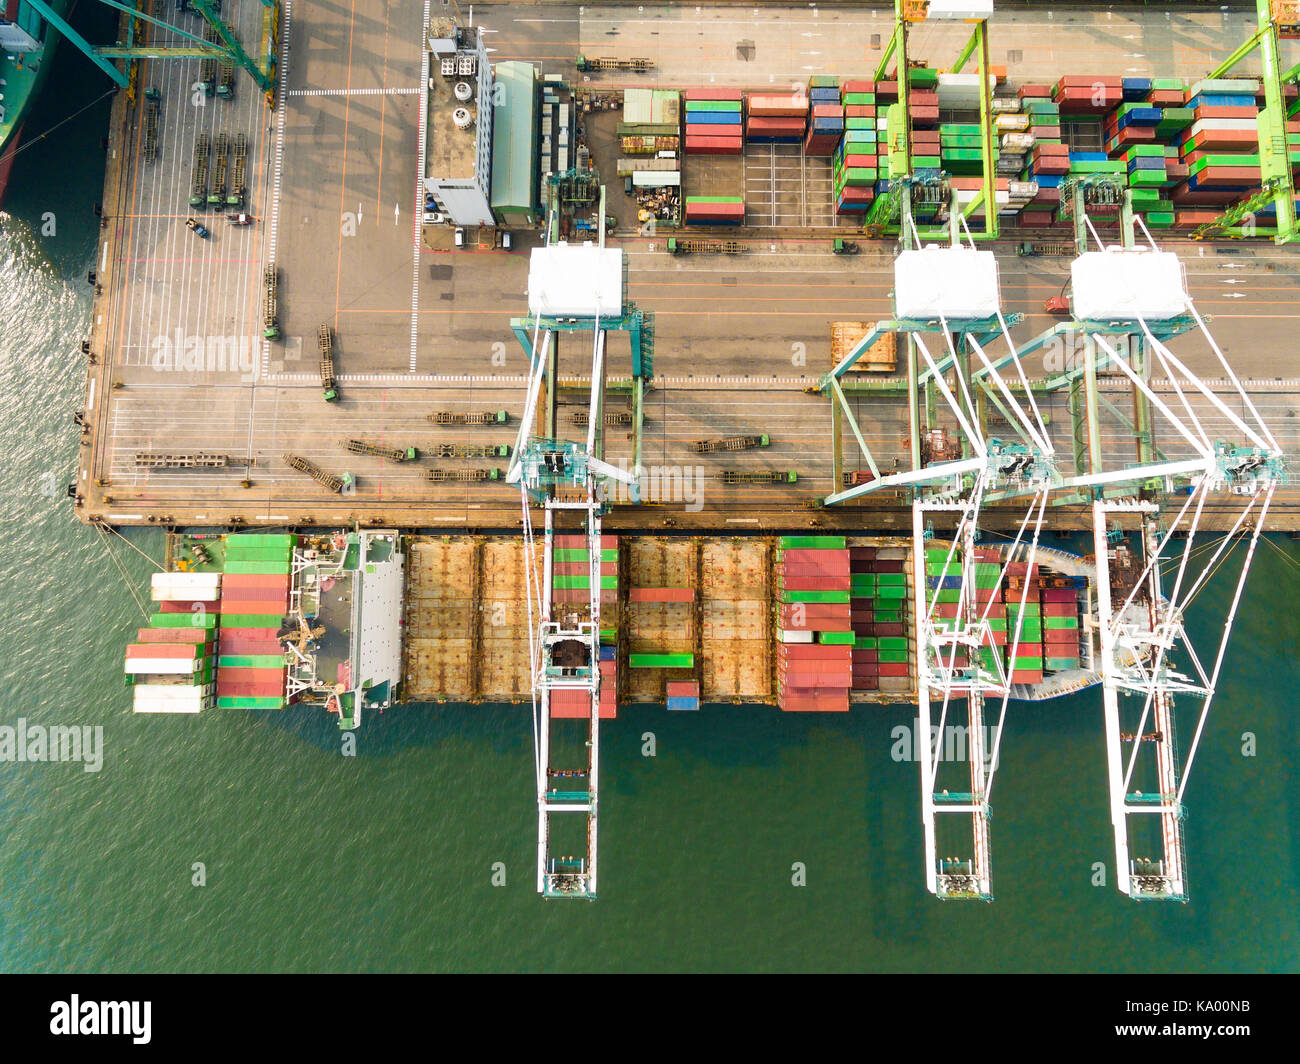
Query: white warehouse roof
576, 281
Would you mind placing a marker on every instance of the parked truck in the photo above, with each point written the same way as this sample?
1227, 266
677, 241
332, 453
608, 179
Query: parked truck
473, 476
330, 480
325, 342
448, 417
730, 443
396, 454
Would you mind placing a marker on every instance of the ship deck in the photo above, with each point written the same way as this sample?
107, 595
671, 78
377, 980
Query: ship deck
179, 363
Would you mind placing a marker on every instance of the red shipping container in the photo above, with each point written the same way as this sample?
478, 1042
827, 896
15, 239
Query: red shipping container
859, 110
1165, 98
172, 635
722, 211
160, 651
682, 688
866, 683
832, 561
923, 98
713, 94
859, 85
1034, 92
270, 609
714, 145
894, 629
568, 541
187, 607
1027, 676
661, 594
1207, 111
888, 668
886, 92
828, 110
254, 580
775, 126
1088, 81
860, 160
813, 651
815, 704
890, 565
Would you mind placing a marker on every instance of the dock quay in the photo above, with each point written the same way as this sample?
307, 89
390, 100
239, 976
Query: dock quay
180, 362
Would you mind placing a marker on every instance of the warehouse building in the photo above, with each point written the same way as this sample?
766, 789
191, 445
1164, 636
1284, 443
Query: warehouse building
515, 147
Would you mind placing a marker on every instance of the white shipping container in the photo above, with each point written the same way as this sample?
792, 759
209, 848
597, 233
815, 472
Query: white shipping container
160, 666
194, 704
1017, 141
1010, 123
787, 636
656, 178
1242, 124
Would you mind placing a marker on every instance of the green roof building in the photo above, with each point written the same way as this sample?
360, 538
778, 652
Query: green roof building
514, 145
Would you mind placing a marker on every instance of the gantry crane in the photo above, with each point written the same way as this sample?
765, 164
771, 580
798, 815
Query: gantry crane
583, 285
952, 293
1128, 301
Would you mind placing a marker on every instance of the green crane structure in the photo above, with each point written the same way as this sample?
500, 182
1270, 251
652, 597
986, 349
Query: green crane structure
885, 210
227, 48
1274, 159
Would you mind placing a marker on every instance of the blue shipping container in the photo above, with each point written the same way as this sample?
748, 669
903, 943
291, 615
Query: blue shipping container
713, 118
683, 704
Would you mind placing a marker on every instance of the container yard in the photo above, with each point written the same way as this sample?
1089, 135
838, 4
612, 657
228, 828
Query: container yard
793, 356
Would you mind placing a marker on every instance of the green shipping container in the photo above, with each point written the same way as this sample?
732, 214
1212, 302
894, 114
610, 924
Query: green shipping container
893, 657
835, 597
184, 620
892, 642
1059, 623
838, 639
250, 703
250, 620
811, 543
661, 661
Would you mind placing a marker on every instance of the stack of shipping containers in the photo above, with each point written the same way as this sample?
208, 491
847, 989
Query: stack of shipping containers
776, 118
879, 616
814, 652
570, 593
714, 123
170, 665
857, 169
715, 210
675, 609
254, 602
826, 128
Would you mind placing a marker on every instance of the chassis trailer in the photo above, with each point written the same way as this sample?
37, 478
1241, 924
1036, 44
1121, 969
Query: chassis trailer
730, 443
678, 245
329, 480
396, 454
447, 417
734, 477
473, 450
472, 476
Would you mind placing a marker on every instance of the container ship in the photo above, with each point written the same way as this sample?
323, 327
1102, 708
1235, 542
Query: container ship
352, 622
28, 44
